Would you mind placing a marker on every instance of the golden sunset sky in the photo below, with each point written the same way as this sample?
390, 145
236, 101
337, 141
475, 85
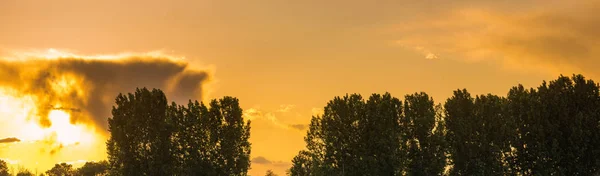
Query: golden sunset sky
285, 59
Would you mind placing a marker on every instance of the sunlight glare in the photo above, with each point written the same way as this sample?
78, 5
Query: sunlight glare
66, 133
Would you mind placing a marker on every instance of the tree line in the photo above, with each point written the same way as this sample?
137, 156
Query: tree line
62, 169
149, 136
549, 130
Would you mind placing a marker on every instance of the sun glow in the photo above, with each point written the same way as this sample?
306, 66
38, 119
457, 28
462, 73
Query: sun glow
20, 111
51, 102
66, 133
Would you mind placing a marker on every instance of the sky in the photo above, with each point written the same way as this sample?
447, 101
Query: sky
284, 60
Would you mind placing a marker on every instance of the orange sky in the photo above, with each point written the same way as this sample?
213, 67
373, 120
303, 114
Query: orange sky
285, 59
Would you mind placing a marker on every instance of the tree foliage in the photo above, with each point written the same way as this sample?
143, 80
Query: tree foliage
347, 139
553, 129
303, 164
425, 129
3, 168
93, 169
477, 134
270, 173
24, 172
558, 127
62, 169
151, 137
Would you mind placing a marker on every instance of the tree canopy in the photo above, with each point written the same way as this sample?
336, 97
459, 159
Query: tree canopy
553, 129
270, 173
151, 137
347, 139
62, 169
3, 168
549, 130
93, 169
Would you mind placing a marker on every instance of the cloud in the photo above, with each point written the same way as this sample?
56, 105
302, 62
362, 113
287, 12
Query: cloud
9, 140
87, 85
55, 149
299, 126
425, 52
264, 161
285, 108
261, 160
255, 113
550, 36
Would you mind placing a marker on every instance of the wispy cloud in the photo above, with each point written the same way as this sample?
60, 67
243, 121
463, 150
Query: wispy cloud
554, 37
285, 108
428, 54
256, 114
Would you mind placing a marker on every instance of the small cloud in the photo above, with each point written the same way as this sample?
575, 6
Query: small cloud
299, 126
9, 140
424, 51
54, 150
264, 161
254, 114
431, 56
285, 108
261, 160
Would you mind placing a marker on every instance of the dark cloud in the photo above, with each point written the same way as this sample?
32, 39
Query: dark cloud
299, 126
261, 160
9, 140
265, 161
56, 149
88, 86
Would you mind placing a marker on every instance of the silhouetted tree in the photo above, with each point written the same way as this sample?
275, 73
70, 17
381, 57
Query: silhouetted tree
380, 140
93, 169
558, 132
212, 141
62, 169
425, 135
150, 137
551, 130
3, 168
302, 164
24, 172
270, 173
230, 133
140, 134
347, 139
477, 134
